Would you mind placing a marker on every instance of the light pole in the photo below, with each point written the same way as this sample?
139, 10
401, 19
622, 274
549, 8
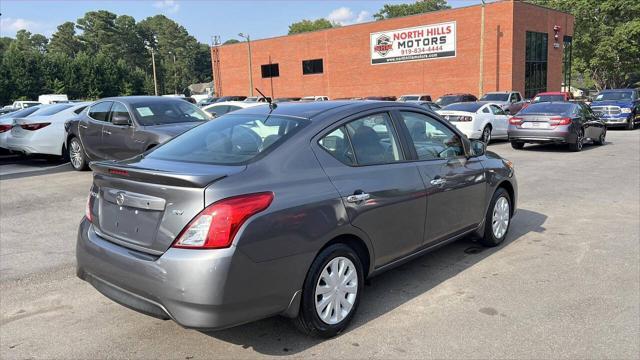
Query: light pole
481, 80
250, 67
153, 62
175, 73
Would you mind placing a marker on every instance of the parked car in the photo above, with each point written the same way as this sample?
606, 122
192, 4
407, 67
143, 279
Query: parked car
24, 104
416, 97
381, 98
221, 108
551, 96
272, 211
429, 105
618, 107
6, 110
510, 101
53, 99
448, 99
257, 99
43, 132
557, 123
231, 98
478, 120
6, 123
122, 127
314, 98
286, 99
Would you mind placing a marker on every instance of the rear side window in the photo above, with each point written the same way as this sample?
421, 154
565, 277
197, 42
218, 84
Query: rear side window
100, 111
338, 145
230, 139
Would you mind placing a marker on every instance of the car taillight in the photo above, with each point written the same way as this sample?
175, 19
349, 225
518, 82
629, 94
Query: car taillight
35, 126
87, 209
4, 128
216, 225
555, 121
514, 120
465, 118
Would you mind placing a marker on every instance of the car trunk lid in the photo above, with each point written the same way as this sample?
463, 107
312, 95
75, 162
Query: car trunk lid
144, 204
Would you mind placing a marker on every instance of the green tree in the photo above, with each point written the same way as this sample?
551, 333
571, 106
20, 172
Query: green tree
606, 41
231, 41
65, 41
422, 6
310, 25
99, 31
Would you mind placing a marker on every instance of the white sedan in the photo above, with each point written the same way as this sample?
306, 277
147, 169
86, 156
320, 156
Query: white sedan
221, 108
478, 120
43, 131
6, 123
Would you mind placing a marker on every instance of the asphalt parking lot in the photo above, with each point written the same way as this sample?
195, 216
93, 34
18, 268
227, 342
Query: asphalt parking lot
565, 284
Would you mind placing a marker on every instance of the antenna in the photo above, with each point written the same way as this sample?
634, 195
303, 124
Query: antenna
272, 105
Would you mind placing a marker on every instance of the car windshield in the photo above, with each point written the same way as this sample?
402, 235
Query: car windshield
410, 98
167, 112
30, 104
52, 109
229, 140
548, 108
446, 100
547, 98
495, 97
465, 106
614, 95
21, 113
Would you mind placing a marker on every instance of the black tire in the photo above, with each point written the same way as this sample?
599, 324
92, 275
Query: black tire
632, 123
486, 135
518, 145
75, 146
577, 146
308, 320
601, 139
490, 239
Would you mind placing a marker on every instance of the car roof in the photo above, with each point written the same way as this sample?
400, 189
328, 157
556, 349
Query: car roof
311, 110
142, 98
551, 93
617, 90
499, 92
457, 94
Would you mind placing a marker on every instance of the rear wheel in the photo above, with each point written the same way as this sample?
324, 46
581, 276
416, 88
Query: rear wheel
486, 135
331, 291
601, 139
518, 145
497, 219
632, 124
577, 146
77, 156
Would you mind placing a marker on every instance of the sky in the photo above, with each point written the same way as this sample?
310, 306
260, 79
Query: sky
201, 18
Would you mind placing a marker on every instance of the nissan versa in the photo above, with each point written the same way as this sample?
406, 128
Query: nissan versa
286, 210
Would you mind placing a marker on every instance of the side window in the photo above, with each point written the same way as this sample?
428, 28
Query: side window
100, 111
486, 110
373, 140
517, 97
496, 110
432, 139
232, 108
119, 109
337, 144
218, 110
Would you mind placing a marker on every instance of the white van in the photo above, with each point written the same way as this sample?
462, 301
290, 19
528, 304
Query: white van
53, 98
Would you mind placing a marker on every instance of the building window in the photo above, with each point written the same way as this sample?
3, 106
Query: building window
566, 61
535, 73
312, 67
270, 70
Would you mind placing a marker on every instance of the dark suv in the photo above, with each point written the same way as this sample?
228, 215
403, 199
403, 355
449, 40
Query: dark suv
448, 99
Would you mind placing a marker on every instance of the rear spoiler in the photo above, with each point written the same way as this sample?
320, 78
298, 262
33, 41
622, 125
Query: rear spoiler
162, 177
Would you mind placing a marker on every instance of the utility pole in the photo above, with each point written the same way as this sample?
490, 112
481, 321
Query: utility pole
175, 73
481, 80
250, 65
155, 79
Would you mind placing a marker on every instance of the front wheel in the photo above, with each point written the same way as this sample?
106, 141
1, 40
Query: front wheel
486, 135
497, 219
77, 156
632, 124
331, 291
518, 145
577, 146
601, 139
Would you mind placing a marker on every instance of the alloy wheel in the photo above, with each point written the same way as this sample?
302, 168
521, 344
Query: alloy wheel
336, 290
486, 135
500, 218
580, 139
75, 154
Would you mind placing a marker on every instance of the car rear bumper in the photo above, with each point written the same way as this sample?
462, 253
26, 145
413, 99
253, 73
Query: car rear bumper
33, 144
204, 289
560, 136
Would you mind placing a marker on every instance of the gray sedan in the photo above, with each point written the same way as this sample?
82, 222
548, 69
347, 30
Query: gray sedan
556, 123
286, 210
121, 127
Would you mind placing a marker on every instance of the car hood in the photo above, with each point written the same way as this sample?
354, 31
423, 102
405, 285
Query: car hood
171, 130
621, 103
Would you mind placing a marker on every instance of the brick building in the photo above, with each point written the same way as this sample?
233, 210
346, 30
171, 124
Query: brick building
526, 48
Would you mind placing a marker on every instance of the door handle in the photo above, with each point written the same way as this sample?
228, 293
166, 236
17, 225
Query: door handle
83, 126
106, 132
355, 198
438, 181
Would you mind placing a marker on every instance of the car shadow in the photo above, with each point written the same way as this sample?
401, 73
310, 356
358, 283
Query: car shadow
278, 336
558, 147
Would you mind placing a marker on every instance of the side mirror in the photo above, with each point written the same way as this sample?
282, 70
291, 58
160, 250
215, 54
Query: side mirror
478, 148
120, 120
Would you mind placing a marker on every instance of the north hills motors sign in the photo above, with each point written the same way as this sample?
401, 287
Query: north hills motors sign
412, 44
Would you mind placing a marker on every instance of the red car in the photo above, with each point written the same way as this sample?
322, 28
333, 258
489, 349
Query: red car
550, 96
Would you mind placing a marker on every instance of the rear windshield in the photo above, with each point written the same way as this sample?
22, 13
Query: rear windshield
446, 100
167, 112
614, 95
21, 113
410, 98
548, 108
465, 106
52, 109
495, 97
548, 98
229, 140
